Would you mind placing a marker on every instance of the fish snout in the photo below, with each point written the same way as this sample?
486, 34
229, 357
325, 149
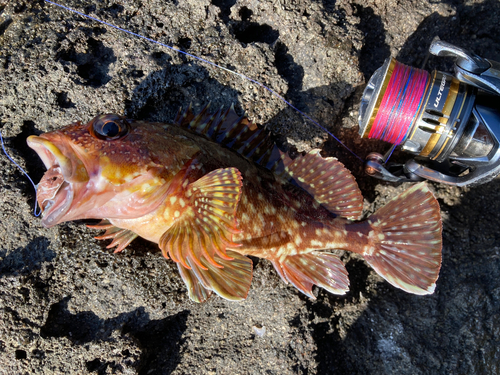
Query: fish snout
51, 154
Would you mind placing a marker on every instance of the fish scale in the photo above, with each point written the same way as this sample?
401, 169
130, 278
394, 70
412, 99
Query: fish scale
213, 188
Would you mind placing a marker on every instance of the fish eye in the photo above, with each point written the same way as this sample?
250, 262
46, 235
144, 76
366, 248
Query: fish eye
109, 127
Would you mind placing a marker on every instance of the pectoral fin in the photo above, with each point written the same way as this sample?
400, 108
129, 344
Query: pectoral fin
206, 226
121, 237
197, 292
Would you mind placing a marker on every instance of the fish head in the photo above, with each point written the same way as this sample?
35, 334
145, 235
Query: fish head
105, 168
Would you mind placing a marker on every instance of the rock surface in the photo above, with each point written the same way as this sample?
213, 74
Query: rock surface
68, 305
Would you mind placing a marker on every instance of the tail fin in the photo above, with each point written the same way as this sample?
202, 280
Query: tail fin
407, 241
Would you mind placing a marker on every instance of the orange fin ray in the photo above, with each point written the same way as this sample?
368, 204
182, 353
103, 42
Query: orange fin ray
204, 246
217, 241
110, 233
103, 224
328, 181
231, 282
408, 241
121, 237
204, 230
315, 268
122, 240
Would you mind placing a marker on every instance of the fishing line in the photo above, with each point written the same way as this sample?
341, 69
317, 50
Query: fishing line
400, 104
212, 64
24, 172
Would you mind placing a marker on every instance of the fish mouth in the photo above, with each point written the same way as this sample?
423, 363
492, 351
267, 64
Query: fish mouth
55, 196
55, 192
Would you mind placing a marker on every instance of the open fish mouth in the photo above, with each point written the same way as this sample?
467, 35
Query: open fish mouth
55, 192
54, 195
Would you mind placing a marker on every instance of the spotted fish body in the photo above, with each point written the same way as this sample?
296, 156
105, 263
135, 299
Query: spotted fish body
211, 189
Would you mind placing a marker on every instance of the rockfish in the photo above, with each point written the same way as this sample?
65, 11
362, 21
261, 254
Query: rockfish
213, 188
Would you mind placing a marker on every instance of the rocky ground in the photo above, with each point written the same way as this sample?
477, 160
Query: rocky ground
68, 305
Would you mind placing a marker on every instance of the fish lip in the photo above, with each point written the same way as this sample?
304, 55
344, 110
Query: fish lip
51, 155
58, 204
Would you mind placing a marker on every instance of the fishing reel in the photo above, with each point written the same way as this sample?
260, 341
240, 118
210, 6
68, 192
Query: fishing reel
451, 123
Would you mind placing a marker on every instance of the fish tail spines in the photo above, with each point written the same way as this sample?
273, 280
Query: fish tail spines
315, 268
407, 240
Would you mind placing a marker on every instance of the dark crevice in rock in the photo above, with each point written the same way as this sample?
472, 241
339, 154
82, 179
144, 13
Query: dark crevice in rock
225, 8
246, 31
115, 9
21, 354
184, 43
63, 101
245, 14
4, 25
251, 32
93, 66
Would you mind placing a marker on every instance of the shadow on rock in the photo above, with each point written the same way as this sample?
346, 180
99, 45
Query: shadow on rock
158, 340
92, 67
473, 27
33, 164
28, 259
159, 96
375, 50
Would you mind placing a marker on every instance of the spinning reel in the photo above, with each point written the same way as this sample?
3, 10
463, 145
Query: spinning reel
451, 123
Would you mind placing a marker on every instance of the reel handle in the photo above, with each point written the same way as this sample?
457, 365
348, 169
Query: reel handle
469, 67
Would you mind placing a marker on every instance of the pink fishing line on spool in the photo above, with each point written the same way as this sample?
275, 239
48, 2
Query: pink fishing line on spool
400, 104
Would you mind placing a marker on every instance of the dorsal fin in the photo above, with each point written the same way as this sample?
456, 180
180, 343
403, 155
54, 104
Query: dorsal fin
235, 132
328, 181
325, 179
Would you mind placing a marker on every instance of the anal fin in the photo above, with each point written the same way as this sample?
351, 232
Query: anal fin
315, 268
231, 282
328, 181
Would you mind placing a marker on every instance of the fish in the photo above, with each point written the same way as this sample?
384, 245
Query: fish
212, 189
